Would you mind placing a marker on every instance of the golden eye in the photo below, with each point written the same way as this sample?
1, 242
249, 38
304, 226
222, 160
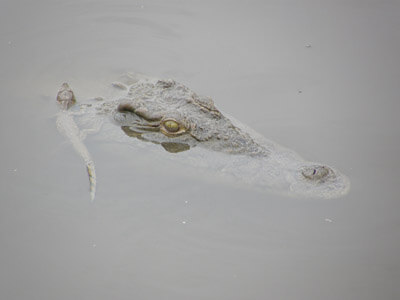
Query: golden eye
171, 126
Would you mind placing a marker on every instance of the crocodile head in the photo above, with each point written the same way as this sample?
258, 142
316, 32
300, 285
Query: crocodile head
170, 114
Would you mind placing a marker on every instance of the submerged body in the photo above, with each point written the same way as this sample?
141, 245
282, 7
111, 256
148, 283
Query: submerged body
67, 126
171, 115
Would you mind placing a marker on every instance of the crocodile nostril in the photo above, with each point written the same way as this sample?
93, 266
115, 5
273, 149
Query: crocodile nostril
315, 172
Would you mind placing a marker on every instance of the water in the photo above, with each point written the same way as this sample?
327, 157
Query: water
161, 231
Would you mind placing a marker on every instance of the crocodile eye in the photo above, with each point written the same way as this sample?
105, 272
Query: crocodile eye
171, 126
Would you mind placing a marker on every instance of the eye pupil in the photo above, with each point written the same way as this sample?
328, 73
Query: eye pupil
171, 126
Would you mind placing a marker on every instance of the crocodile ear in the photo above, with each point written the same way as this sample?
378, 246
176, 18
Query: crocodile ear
175, 147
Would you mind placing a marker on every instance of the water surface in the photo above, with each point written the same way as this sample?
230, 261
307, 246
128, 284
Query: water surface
322, 79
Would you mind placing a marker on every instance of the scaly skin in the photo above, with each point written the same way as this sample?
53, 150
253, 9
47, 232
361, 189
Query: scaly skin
168, 113
154, 106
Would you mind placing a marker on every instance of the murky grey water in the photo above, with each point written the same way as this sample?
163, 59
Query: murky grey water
159, 231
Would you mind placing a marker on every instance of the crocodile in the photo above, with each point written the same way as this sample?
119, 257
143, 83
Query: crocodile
67, 126
169, 114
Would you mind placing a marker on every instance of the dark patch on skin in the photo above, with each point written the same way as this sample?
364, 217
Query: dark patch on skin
166, 84
139, 111
125, 107
129, 132
175, 147
168, 146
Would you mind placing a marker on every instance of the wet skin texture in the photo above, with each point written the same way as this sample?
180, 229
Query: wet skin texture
179, 119
169, 114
